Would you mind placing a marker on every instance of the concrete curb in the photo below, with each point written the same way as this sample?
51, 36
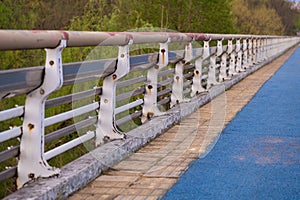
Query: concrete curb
80, 172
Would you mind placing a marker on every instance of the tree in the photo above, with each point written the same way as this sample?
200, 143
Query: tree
288, 15
256, 18
283, 8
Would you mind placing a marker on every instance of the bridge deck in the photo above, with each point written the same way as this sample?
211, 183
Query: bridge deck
153, 170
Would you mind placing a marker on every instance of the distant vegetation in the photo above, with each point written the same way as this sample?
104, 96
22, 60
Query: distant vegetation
214, 16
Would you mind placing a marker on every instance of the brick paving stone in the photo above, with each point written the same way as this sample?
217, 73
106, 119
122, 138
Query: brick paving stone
109, 184
97, 197
153, 169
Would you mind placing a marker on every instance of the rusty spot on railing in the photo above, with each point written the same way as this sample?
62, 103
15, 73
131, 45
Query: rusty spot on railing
31, 175
30, 126
42, 91
65, 34
163, 51
149, 115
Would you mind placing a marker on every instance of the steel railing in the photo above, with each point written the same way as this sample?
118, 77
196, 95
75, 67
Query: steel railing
131, 87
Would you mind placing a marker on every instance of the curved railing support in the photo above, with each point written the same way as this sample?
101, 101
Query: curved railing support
150, 107
197, 79
106, 128
177, 86
32, 164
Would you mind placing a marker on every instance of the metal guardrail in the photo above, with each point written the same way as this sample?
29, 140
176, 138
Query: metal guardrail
151, 83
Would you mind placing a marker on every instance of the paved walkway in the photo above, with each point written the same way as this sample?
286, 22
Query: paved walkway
153, 170
258, 153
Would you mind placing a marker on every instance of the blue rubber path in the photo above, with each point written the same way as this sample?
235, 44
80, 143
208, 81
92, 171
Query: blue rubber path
258, 153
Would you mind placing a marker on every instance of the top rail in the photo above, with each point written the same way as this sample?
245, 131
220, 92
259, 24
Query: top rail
38, 39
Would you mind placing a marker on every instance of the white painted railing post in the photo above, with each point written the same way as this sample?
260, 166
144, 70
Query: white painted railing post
254, 50
232, 63
223, 70
197, 79
239, 61
262, 50
245, 54
250, 52
265, 49
106, 128
259, 51
212, 80
150, 107
177, 86
32, 163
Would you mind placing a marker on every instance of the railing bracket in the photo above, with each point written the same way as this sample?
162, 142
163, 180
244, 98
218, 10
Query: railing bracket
106, 128
32, 164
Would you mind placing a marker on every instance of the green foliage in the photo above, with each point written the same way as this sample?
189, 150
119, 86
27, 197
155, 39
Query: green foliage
276, 17
259, 20
12, 15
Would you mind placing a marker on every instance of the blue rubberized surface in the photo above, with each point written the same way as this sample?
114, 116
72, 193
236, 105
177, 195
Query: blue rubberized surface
258, 153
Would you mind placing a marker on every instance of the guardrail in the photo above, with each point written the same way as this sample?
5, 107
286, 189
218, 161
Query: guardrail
152, 83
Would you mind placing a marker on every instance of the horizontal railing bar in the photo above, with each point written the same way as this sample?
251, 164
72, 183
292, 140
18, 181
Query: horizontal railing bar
129, 106
22, 81
69, 145
39, 39
11, 113
142, 67
9, 153
205, 70
163, 92
9, 173
131, 81
97, 68
70, 114
205, 76
94, 77
206, 62
189, 66
166, 72
165, 82
187, 83
145, 59
10, 134
127, 95
186, 91
164, 101
73, 97
188, 75
70, 129
129, 118
174, 57
19, 81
